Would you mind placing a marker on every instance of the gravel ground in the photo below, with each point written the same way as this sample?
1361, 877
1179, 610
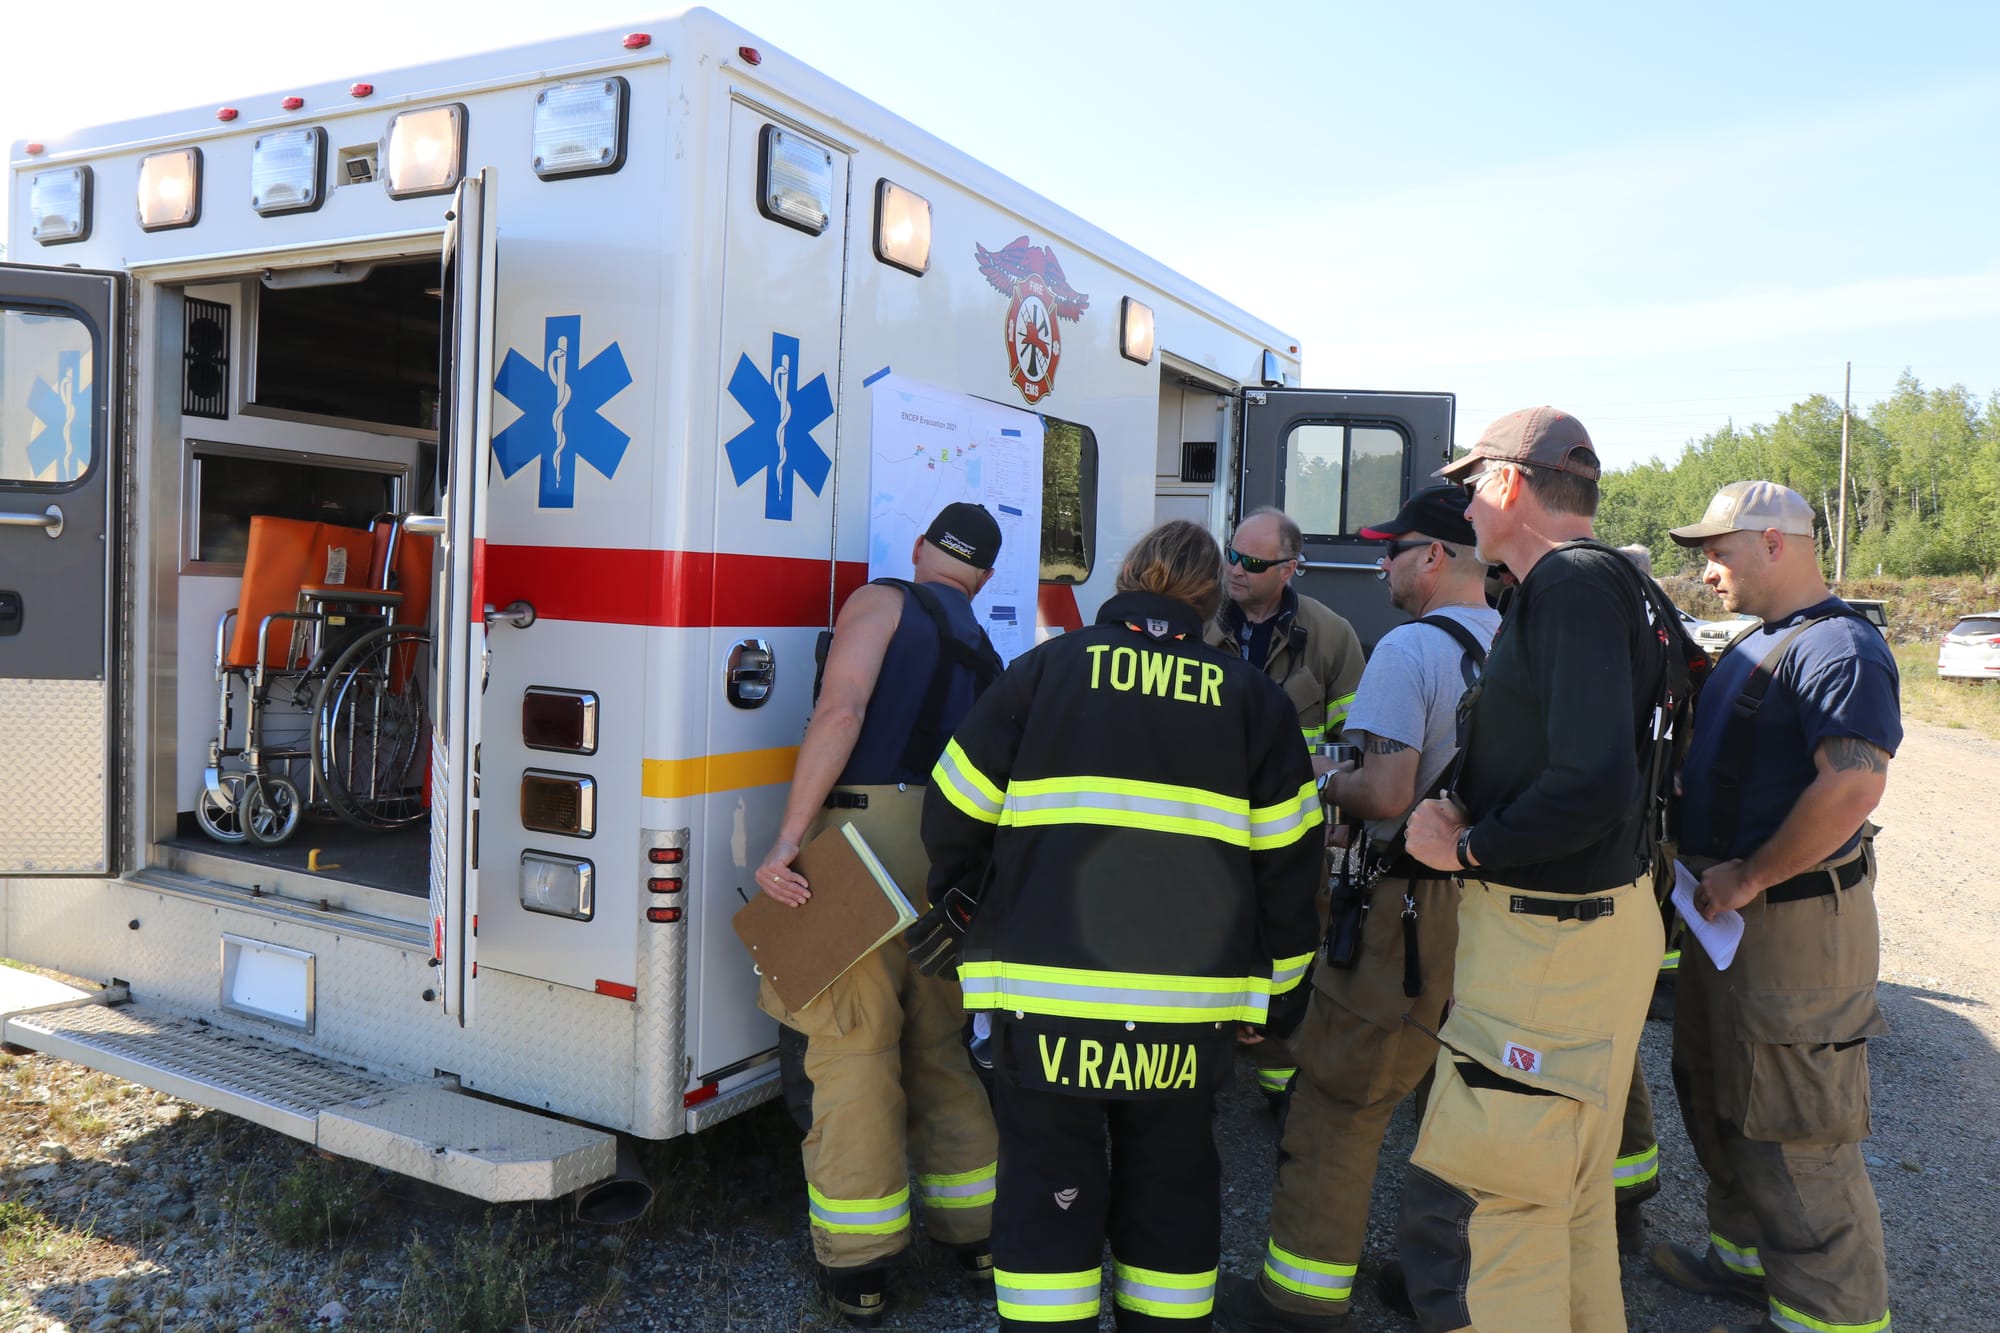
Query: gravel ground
123, 1209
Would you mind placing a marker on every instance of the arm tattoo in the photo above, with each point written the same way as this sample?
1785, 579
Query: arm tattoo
1381, 746
1850, 754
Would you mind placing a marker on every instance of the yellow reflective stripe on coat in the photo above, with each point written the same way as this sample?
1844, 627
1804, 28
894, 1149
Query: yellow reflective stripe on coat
1636, 1169
1047, 1298
1670, 961
861, 1217
1336, 711
1275, 1080
1737, 1258
965, 786
1163, 1295
1313, 1278
1287, 973
1158, 807
965, 1189
1314, 735
1785, 1317
1126, 997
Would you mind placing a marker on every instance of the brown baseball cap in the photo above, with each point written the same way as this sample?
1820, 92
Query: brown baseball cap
1535, 437
1749, 506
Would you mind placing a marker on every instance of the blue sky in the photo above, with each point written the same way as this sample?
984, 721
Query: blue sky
1660, 220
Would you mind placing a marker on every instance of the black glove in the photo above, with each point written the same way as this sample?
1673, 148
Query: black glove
1287, 1011
936, 937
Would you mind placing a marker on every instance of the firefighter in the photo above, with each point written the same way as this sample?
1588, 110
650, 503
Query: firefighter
1148, 837
874, 1069
1358, 1059
1792, 739
1507, 1209
1311, 651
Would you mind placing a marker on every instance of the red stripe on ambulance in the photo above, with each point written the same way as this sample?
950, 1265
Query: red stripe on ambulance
674, 589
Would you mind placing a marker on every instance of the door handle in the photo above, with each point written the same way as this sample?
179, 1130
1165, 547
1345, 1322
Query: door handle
424, 525
50, 520
751, 673
519, 614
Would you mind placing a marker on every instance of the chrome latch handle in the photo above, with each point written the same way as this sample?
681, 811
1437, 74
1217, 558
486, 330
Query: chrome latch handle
519, 614
50, 520
751, 673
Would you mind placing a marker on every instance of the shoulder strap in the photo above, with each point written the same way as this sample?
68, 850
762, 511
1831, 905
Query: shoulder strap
1473, 665
1732, 757
927, 737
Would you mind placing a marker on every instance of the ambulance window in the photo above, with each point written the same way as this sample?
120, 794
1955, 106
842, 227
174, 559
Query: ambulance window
47, 398
362, 350
1069, 501
226, 484
1341, 476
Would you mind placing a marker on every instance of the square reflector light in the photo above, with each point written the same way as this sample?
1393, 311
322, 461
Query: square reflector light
288, 171
426, 151
170, 189
580, 128
902, 228
555, 719
1135, 331
563, 803
59, 205
558, 885
794, 180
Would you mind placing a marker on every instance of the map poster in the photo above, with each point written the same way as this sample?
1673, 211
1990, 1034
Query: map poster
930, 447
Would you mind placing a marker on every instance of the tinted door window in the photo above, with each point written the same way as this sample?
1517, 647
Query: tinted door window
47, 388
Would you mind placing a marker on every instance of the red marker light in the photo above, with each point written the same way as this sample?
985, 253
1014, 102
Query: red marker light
225, 113
664, 856
636, 40
292, 103
663, 916
33, 149
705, 1092
617, 990
361, 90
663, 885
750, 54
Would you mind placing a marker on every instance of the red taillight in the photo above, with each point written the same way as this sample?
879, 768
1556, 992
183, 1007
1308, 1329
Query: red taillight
663, 916
751, 55
664, 885
361, 90
225, 113
706, 1092
664, 856
32, 149
617, 990
635, 41
292, 103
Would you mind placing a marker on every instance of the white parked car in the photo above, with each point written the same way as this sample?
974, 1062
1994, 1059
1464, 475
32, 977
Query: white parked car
1971, 651
1716, 635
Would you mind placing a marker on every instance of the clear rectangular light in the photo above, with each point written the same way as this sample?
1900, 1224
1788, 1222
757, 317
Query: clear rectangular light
558, 885
580, 128
1135, 331
288, 171
794, 180
902, 228
170, 189
59, 205
426, 151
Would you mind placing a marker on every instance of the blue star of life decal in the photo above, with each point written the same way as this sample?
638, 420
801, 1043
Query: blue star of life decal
60, 450
783, 415
561, 401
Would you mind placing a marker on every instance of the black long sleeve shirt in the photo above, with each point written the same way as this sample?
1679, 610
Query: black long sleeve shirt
1551, 776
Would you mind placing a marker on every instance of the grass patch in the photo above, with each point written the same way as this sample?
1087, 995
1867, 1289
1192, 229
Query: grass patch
1968, 705
481, 1286
321, 1202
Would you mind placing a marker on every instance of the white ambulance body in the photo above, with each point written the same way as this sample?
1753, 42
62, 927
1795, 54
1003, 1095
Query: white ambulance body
602, 314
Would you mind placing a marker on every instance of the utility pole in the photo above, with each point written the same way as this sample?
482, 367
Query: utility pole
1840, 537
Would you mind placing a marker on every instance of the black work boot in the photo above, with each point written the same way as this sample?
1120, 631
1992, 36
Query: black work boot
860, 1294
975, 1257
1241, 1307
1631, 1228
1703, 1274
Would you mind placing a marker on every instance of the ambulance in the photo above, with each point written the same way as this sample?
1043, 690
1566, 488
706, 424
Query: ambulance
597, 330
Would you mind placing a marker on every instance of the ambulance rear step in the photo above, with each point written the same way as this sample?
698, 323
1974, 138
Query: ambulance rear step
428, 1131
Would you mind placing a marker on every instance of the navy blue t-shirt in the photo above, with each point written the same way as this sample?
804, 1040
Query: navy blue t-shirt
1838, 679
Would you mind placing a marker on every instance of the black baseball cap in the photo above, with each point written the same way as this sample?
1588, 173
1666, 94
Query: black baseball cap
1435, 511
965, 531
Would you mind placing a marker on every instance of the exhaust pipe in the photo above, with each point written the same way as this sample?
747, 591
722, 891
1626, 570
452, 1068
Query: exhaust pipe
621, 1197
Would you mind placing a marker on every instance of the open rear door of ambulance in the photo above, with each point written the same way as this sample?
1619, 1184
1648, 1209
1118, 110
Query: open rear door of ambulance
459, 649
62, 412
1337, 461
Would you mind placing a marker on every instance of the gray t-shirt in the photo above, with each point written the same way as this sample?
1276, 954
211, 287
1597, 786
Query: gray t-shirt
1409, 692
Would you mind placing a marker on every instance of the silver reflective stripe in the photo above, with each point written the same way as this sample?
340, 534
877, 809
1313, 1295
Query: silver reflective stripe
982, 1183
1283, 978
1229, 825
1076, 1295
855, 1217
1132, 1289
1013, 989
1337, 1287
951, 773
1283, 821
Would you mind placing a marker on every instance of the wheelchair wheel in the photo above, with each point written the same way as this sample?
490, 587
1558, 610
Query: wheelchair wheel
370, 730
222, 822
270, 809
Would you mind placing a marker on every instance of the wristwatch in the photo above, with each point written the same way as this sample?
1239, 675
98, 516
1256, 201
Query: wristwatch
1319, 783
1465, 848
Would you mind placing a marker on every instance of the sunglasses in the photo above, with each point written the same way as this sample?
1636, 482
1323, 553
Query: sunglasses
1254, 564
1397, 548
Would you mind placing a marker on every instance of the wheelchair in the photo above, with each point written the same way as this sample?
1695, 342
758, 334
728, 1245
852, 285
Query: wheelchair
328, 635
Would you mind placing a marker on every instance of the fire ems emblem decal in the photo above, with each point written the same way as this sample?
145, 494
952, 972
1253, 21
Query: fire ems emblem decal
1040, 298
784, 411
1524, 1058
60, 450
561, 401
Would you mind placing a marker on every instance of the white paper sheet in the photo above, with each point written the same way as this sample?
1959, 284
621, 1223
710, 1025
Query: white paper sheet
1719, 937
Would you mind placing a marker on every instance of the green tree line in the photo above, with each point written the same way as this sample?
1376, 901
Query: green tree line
1923, 482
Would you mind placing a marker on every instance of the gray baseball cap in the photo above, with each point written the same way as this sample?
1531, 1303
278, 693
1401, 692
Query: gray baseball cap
1749, 506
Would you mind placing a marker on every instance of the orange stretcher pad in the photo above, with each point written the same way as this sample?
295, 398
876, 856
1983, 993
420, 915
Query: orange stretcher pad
290, 559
